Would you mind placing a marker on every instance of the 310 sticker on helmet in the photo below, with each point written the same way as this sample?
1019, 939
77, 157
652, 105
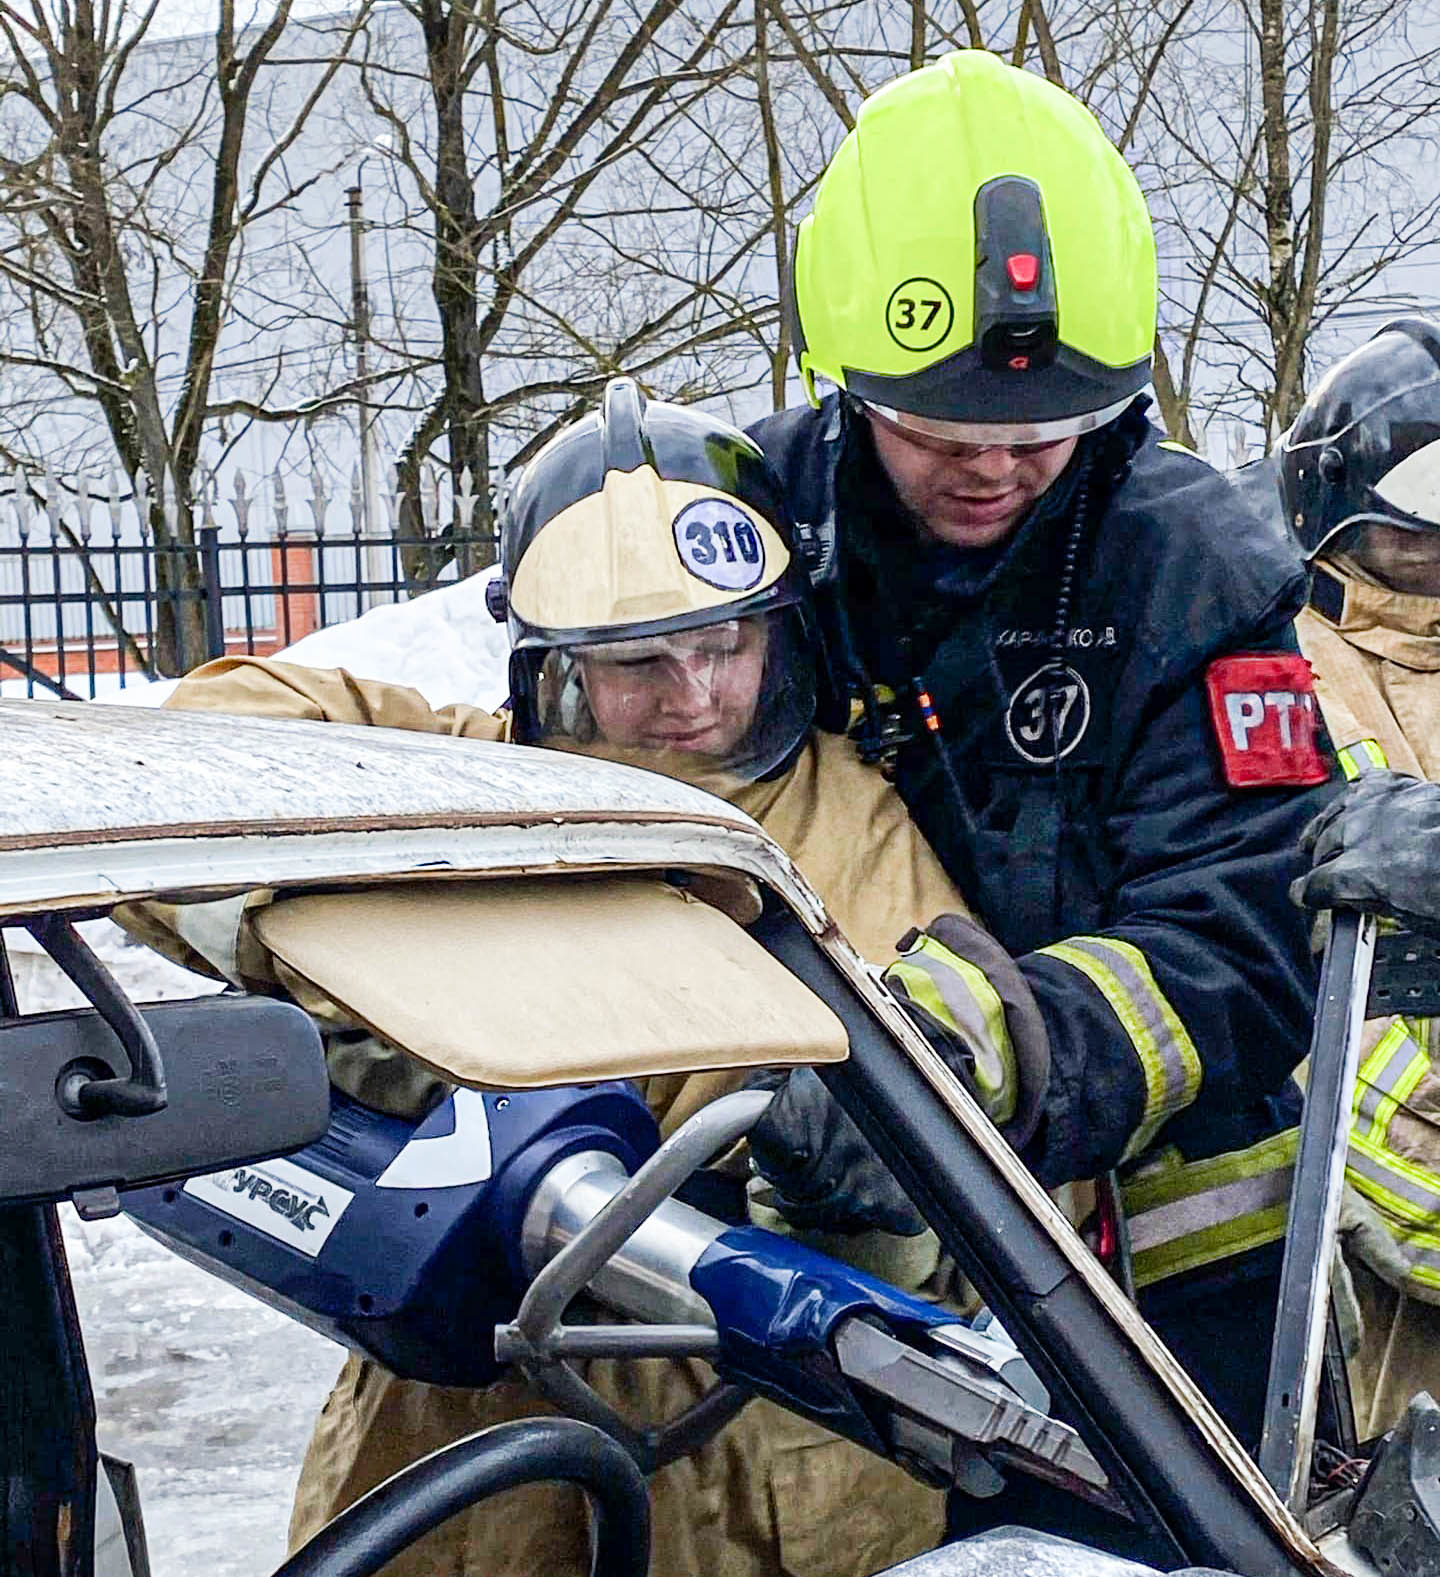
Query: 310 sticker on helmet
918, 314
719, 544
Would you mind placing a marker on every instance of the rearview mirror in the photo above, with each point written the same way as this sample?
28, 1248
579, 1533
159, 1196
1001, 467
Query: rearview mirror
245, 1078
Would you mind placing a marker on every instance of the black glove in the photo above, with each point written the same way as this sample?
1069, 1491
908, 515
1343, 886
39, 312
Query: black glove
1376, 847
824, 1173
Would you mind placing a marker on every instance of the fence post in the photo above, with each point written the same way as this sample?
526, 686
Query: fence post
214, 594
297, 611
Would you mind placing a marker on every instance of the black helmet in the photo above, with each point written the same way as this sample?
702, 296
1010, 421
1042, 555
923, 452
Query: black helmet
657, 606
1366, 444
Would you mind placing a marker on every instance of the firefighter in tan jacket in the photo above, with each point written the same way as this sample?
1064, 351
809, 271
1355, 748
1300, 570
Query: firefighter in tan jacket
1361, 483
649, 558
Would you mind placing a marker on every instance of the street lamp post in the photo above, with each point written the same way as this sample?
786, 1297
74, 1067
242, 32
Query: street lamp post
377, 559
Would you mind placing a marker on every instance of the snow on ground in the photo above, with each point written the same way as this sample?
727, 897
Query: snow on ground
211, 1394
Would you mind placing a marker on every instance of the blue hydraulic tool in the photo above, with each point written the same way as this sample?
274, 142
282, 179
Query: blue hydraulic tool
449, 1248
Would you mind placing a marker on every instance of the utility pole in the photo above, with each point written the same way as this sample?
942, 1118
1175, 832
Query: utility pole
377, 559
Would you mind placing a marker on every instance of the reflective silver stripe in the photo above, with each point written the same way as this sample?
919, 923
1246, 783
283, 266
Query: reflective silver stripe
1369, 748
1372, 1177
1368, 1101
1225, 1202
1167, 1055
1382, 1072
1393, 1184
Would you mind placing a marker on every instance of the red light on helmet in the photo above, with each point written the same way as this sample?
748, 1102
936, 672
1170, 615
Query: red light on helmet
1023, 269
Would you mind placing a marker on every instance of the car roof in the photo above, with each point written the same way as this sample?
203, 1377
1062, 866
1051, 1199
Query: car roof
99, 803
82, 768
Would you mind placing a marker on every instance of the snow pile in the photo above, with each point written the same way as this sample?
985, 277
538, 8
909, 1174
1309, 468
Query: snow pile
443, 644
210, 1394
145, 976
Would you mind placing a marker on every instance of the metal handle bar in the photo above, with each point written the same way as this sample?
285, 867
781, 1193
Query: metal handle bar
538, 1341
1295, 1355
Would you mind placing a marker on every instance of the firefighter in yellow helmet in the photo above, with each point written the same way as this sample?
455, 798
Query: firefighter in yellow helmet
660, 615
1074, 646
1360, 481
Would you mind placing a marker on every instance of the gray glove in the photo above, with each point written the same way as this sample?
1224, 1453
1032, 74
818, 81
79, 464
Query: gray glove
975, 1007
977, 1010
1376, 847
821, 1167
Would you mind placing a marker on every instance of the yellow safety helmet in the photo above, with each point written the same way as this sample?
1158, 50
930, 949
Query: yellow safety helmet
657, 607
979, 262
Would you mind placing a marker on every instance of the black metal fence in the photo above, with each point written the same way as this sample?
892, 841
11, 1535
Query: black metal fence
82, 610
82, 617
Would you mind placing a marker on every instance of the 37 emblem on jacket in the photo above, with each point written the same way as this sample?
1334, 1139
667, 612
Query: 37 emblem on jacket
1028, 724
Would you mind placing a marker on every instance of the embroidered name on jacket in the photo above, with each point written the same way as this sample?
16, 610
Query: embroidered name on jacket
1083, 637
1264, 711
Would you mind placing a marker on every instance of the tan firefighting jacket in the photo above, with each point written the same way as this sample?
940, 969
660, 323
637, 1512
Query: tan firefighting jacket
772, 1494
1377, 674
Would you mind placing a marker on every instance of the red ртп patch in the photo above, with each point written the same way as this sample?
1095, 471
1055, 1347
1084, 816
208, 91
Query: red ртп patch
1265, 713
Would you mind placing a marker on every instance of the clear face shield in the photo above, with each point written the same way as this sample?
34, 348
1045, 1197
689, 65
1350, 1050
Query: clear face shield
1397, 556
732, 698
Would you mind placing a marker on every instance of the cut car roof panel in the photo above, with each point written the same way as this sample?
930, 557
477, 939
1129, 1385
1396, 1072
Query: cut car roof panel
82, 769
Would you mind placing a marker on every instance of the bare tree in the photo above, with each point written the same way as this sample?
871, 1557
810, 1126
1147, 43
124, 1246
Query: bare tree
611, 185
569, 175
126, 171
1288, 180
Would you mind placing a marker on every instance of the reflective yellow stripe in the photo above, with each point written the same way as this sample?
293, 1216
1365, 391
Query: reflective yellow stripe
1184, 1215
1369, 749
927, 967
1407, 1202
929, 974
1166, 1053
1405, 1196
1387, 1079
1410, 1068
1176, 447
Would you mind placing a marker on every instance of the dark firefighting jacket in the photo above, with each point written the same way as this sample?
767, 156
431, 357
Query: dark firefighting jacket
1122, 747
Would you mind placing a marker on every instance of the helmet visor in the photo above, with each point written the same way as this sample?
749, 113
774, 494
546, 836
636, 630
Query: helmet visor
1399, 554
1017, 436
733, 697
